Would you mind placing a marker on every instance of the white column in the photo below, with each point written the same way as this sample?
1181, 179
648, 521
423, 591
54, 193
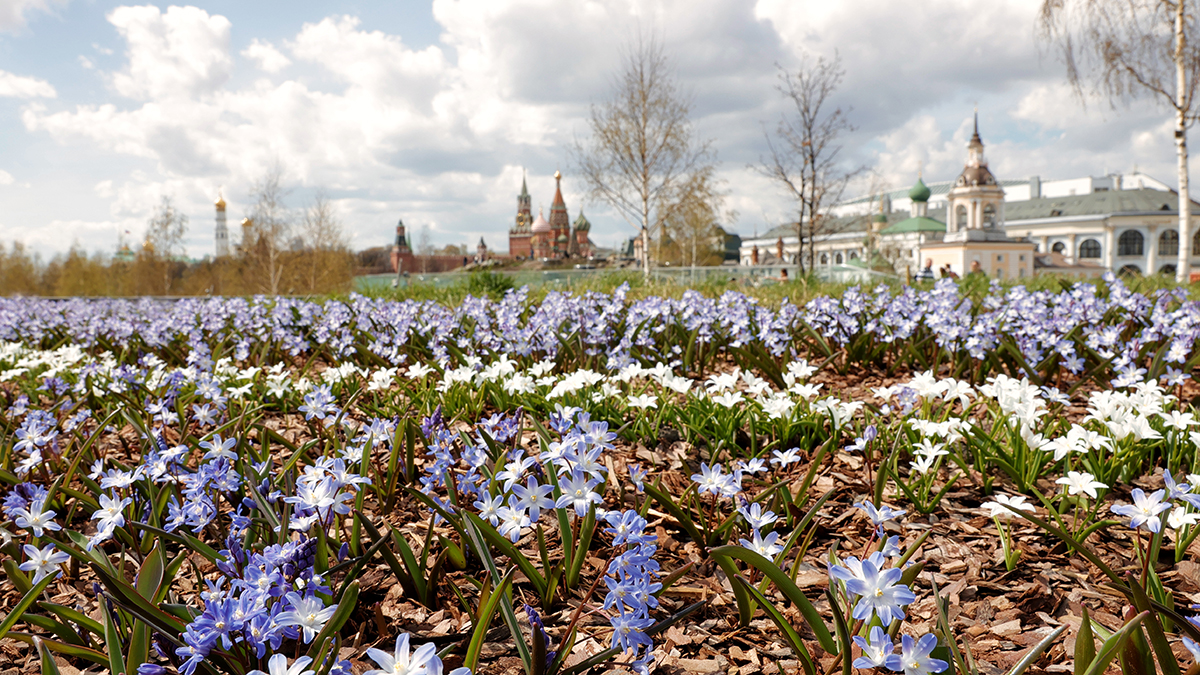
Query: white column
1072, 253
1109, 247
1152, 250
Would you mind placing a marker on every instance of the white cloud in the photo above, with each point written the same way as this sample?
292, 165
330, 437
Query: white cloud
180, 54
6, 178
266, 56
438, 134
18, 86
14, 13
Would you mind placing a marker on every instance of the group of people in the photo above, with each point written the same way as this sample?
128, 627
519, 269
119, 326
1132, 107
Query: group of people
944, 272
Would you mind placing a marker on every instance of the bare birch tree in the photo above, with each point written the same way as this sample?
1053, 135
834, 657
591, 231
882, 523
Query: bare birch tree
804, 155
643, 148
692, 223
269, 233
1126, 49
164, 240
327, 260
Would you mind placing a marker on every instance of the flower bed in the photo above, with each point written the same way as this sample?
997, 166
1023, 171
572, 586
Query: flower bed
231, 486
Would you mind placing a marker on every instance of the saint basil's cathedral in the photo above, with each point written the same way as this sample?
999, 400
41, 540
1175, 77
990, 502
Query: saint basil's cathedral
553, 239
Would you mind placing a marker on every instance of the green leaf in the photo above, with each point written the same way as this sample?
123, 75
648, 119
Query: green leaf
506, 547
49, 667
682, 517
485, 554
788, 587
112, 641
1167, 662
1110, 648
68, 614
793, 638
484, 619
185, 539
843, 631
1085, 645
150, 576
1070, 541
61, 647
18, 577
24, 603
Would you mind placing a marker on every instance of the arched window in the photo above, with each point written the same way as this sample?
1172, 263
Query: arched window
854, 255
1089, 248
1130, 271
960, 217
1168, 270
824, 258
989, 216
1168, 243
1130, 243
1058, 247
837, 258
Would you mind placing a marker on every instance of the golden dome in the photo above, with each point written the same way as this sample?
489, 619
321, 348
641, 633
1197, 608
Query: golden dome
557, 176
220, 203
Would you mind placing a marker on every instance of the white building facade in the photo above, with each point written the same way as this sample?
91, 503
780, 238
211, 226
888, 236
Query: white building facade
1119, 222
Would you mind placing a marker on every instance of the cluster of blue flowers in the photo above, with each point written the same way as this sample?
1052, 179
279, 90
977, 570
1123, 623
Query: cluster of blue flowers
259, 601
632, 586
873, 585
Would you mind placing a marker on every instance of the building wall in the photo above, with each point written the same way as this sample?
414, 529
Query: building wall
1107, 233
520, 245
999, 260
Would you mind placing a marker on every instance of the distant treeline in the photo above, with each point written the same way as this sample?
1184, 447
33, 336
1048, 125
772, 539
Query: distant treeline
297, 272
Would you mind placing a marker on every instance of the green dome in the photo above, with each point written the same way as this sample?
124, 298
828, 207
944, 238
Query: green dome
919, 192
582, 224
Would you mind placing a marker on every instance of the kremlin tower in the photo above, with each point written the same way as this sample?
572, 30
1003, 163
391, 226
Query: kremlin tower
553, 239
222, 229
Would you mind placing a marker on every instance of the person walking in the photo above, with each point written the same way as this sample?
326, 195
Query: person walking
927, 273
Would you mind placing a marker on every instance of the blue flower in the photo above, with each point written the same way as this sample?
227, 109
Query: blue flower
915, 656
1144, 510
880, 593
879, 652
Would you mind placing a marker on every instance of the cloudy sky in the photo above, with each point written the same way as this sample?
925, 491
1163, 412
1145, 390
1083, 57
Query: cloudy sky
430, 111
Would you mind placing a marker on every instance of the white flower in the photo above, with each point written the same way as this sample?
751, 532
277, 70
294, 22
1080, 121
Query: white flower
643, 401
278, 665
729, 399
923, 463
1077, 482
111, 512
1179, 420
1179, 517
928, 449
417, 371
998, 508
401, 662
777, 406
42, 562
310, 614
381, 379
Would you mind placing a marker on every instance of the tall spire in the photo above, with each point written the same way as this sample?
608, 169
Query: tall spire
558, 204
975, 139
524, 189
975, 147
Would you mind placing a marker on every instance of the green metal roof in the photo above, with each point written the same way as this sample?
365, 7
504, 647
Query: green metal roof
916, 224
1096, 203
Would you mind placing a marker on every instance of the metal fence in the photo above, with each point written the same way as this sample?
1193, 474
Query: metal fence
566, 278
